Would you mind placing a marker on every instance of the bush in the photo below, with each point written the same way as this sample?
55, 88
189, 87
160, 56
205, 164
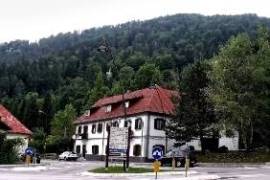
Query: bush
223, 149
8, 150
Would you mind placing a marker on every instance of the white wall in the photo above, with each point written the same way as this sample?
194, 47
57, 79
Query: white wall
147, 139
24, 138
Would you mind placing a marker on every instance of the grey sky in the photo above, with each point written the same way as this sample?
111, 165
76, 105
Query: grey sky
34, 19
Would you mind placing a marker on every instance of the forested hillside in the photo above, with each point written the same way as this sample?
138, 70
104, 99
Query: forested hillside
69, 69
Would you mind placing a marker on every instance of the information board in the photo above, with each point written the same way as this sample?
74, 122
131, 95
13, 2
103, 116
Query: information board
118, 140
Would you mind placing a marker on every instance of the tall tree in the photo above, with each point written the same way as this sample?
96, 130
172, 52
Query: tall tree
194, 113
62, 124
240, 85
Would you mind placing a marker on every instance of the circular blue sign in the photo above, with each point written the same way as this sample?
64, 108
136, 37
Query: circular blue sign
29, 151
157, 153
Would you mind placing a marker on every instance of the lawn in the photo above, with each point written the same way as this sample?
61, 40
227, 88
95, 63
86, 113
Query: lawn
119, 169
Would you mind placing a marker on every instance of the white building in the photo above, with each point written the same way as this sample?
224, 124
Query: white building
147, 111
14, 128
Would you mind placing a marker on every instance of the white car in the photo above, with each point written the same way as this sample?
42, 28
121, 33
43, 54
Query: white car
68, 155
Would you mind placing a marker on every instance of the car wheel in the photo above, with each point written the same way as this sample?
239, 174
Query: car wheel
65, 158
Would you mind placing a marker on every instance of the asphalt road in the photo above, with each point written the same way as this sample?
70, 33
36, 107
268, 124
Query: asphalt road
54, 170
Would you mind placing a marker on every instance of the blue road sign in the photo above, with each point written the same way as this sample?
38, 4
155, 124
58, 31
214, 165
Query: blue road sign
157, 153
29, 151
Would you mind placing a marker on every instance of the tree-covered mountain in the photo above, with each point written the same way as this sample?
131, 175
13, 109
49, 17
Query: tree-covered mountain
69, 69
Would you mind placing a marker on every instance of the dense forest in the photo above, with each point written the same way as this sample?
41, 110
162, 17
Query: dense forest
68, 68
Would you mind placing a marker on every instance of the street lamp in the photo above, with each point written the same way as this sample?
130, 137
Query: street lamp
45, 127
105, 48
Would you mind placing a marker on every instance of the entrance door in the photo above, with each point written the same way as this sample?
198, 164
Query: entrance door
84, 150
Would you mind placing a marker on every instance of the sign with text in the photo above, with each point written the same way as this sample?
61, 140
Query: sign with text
118, 140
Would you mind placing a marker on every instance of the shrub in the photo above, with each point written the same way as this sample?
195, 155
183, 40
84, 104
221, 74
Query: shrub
8, 150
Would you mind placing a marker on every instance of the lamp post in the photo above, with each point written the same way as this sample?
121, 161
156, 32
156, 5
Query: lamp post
105, 48
45, 127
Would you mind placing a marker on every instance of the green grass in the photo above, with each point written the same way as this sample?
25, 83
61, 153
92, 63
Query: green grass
119, 169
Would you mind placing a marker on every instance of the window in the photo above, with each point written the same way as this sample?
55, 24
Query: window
127, 104
79, 129
85, 132
108, 108
87, 113
127, 123
99, 129
115, 124
107, 126
85, 129
159, 124
137, 150
93, 128
138, 123
95, 150
78, 149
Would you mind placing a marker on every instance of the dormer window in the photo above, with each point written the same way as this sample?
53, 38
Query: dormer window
108, 108
127, 104
87, 113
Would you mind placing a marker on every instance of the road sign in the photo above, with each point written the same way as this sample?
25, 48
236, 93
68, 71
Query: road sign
29, 151
118, 140
157, 153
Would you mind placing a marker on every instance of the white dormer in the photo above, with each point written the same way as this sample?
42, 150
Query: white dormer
87, 113
108, 108
127, 104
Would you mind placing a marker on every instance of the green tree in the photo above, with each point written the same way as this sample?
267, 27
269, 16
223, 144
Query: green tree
194, 113
62, 123
147, 75
240, 85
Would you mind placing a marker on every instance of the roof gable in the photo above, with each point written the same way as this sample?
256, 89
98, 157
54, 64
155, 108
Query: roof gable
12, 123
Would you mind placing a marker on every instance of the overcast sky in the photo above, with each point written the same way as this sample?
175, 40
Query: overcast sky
34, 19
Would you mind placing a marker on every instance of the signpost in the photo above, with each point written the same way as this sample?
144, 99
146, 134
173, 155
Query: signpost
118, 142
157, 154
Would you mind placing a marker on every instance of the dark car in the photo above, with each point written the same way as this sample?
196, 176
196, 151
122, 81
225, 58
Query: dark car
180, 154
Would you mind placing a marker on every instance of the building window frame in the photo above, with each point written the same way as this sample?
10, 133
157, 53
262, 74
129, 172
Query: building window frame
128, 123
99, 127
94, 129
159, 123
138, 123
79, 130
95, 150
137, 150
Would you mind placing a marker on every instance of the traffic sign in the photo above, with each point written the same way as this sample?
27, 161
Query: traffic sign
29, 151
157, 153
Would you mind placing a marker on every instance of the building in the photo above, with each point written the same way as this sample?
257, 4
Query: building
146, 110
14, 128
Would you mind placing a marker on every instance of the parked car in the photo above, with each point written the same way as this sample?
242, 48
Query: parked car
68, 155
180, 154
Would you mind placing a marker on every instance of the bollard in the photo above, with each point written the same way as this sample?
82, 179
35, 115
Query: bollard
187, 163
173, 163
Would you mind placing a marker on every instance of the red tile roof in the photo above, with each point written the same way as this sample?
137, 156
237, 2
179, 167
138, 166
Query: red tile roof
155, 100
13, 124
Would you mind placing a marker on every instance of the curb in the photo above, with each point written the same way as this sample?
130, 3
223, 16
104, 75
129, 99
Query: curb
86, 173
230, 164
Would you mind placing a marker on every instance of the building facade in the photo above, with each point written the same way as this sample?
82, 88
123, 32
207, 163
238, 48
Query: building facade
13, 128
145, 111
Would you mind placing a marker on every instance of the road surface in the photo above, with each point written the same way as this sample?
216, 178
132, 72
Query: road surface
55, 170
